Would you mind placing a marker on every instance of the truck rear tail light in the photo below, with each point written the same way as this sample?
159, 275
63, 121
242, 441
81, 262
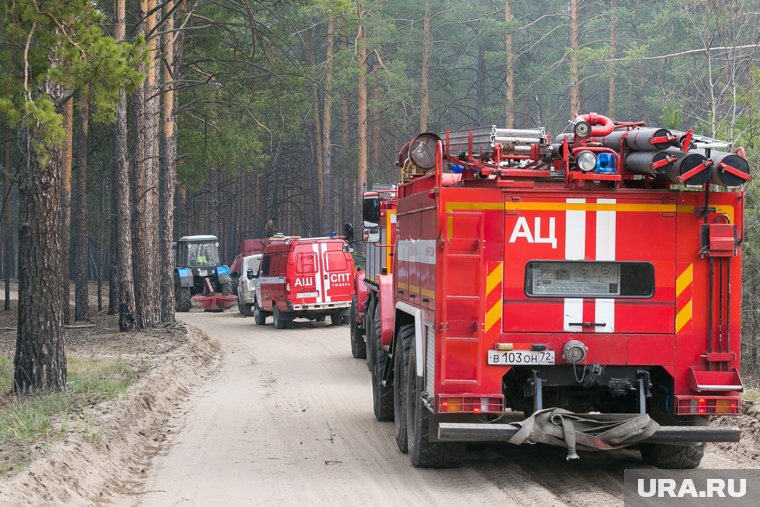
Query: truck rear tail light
707, 405
287, 287
493, 404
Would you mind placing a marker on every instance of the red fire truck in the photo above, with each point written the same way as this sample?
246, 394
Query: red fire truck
304, 277
574, 291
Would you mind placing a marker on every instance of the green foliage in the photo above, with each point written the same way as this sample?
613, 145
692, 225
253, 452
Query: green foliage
671, 117
66, 49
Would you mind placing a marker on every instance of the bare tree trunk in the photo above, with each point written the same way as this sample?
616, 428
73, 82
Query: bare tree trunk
480, 85
168, 171
102, 238
329, 215
510, 83
611, 85
40, 360
375, 138
81, 243
121, 189
361, 56
68, 125
319, 180
349, 190
575, 85
425, 77
146, 245
8, 226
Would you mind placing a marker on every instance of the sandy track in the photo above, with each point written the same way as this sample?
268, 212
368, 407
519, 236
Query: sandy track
289, 420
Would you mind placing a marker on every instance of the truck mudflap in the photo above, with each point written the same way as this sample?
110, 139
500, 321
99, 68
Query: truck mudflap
586, 432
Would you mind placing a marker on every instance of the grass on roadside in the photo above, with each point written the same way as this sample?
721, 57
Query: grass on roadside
30, 418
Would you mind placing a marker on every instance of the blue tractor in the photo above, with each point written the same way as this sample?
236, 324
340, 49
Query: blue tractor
198, 271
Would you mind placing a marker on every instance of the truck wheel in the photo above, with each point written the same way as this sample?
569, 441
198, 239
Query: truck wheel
184, 299
422, 451
225, 285
369, 332
259, 317
336, 318
672, 456
279, 320
400, 366
358, 347
382, 396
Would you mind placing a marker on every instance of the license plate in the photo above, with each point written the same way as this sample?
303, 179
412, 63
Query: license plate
306, 295
514, 357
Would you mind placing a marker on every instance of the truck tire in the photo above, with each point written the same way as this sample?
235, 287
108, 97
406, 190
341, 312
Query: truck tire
278, 319
422, 452
671, 456
336, 318
382, 396
358, 347
184, 299
225, 285
369, 331
400, 366
259, 315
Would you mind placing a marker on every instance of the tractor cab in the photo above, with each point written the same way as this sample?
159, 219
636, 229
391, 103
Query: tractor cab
198, 251
198, 272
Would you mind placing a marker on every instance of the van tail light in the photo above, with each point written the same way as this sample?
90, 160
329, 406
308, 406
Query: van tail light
707, 405
287, 287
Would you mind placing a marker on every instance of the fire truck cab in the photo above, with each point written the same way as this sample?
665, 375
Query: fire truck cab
304, 278
581, 292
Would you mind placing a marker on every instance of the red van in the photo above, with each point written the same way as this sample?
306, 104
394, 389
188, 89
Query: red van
304, 277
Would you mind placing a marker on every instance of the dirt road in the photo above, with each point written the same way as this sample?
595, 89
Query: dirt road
288, 420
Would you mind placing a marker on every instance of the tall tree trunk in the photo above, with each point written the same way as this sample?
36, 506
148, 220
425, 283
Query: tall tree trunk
375, 136
121, 189
361, 57
611, 85
319, 179
40, 360
68, 125
81, 293
510, 82
427, 41
480, 85
8, 226
575, 84
168, 171
349, 191
113, 254
102, 237
146, 246
329, 213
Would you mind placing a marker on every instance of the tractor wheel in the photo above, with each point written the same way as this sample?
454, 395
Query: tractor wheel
336, 318
382, 396
358, 347
259, 316
369, 331
422, 451
225, 285
184, 299
280, 321
404, 342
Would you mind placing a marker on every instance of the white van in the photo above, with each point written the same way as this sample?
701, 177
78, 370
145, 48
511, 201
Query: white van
249, 272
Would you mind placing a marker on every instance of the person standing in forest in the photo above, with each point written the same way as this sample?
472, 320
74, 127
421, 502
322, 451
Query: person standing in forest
270, 229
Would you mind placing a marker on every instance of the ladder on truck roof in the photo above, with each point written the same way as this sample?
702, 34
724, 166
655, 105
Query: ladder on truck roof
512, 140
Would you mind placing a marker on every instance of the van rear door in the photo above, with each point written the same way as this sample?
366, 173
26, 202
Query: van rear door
337, 268
305, 275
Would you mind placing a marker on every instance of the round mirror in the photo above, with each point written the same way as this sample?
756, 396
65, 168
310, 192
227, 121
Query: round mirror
422, 150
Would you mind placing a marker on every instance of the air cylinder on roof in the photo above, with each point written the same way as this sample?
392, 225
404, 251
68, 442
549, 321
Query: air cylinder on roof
642, 162
720, 176
685, 162
640, 139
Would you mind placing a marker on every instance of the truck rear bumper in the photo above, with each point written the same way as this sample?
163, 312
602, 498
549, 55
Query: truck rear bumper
468, 432
324, 307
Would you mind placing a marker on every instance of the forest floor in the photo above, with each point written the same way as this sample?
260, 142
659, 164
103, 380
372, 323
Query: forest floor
74, 448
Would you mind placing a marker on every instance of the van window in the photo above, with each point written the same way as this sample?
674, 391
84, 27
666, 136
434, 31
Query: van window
306, 263
265, 264
278, 264
336, 261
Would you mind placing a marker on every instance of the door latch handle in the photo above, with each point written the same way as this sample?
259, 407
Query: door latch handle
587, 324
